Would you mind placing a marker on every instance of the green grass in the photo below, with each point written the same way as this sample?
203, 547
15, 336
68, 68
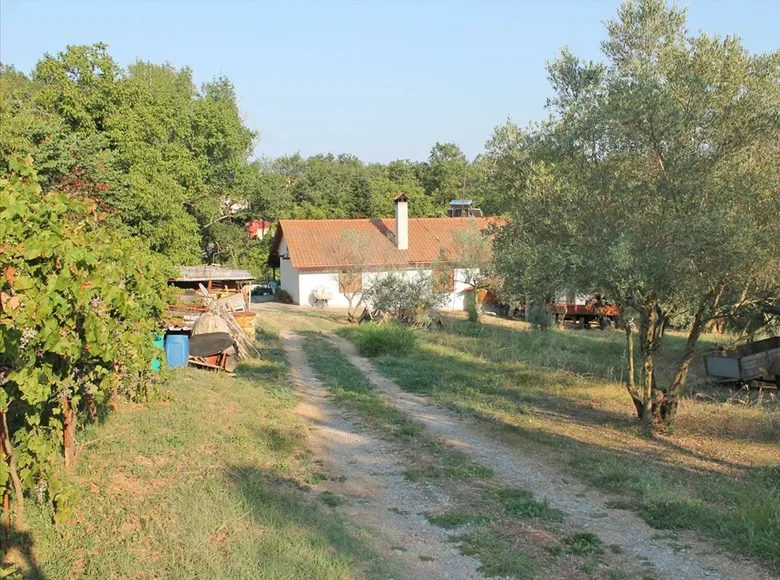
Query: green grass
583, 544
350, 387
207, 484
449, 471
498, 557
559, 392
521, 503
391, 338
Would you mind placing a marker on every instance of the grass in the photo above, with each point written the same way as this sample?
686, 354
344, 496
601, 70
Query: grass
498, 557
352, 389
583, 544
560, 393
503, 527
521, 503
207, 484
391, 338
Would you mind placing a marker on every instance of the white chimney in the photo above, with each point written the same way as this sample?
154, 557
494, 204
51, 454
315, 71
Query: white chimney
401, 221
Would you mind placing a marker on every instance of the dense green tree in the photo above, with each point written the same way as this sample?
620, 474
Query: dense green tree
657, 183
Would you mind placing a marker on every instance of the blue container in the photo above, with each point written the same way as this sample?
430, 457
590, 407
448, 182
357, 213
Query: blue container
159, 342
177, 350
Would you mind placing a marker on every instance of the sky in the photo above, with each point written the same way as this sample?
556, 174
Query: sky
378, 79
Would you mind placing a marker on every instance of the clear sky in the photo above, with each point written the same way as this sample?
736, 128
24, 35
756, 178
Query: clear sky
379, 79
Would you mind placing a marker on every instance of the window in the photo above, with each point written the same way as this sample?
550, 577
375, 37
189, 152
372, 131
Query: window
350, 282
444, 281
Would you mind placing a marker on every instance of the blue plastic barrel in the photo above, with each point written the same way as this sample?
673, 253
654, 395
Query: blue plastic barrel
159, 342
177, 350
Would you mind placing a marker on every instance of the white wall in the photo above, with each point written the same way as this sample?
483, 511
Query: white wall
309, 281
288, 275
302, 283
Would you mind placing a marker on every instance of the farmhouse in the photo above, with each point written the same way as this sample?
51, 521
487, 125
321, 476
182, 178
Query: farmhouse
340, 257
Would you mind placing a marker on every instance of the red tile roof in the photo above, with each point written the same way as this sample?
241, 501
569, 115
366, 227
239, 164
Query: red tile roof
334, 243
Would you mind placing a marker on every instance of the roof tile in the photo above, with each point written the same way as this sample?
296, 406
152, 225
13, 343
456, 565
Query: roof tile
334, 243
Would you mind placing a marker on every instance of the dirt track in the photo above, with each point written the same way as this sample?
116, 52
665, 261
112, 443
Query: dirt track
367, 472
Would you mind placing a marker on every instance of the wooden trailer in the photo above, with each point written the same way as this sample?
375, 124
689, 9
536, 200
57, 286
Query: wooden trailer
756, 361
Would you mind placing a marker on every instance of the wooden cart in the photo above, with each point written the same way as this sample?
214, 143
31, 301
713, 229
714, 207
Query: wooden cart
756, 361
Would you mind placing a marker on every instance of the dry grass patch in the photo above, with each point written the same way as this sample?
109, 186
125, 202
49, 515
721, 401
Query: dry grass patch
210, 484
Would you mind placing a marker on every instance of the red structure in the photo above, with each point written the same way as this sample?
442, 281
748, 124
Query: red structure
258, 228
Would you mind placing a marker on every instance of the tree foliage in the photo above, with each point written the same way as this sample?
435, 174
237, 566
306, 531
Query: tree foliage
655, 182
171, 162
78, 306
405, 298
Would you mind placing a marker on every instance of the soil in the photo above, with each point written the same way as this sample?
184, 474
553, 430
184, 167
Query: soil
366, 476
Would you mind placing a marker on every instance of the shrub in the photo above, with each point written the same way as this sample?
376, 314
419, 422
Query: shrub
405, 299
540, 316
378, 339
472, 308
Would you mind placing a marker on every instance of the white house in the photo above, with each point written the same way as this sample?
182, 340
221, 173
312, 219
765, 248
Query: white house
344, 255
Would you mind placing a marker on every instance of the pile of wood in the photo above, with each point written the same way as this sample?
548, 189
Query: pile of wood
245, 345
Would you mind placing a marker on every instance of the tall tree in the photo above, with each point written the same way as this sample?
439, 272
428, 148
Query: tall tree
657, 182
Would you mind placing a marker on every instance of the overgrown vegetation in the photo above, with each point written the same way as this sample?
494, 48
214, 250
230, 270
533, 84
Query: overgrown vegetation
405, 298
209, 481
78, 308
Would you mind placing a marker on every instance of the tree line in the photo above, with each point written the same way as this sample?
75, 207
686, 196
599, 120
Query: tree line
172, 163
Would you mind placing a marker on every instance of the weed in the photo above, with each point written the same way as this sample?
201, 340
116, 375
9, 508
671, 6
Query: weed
330, 499
677, 514
584, 543
497, 556
453, 472
528, 507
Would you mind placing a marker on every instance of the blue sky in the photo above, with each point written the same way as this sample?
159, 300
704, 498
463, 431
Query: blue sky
379, 79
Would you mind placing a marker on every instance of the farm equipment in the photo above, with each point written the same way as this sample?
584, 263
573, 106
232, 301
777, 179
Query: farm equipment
594, 310
756, 361
582, 311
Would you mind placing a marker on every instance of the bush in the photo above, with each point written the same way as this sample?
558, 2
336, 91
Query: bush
405, 299
540, 316
379, 339
472, 308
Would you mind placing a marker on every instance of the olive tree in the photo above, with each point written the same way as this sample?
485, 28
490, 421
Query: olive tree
656, 181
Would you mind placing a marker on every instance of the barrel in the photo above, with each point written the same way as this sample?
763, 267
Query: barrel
177, 350
158, 341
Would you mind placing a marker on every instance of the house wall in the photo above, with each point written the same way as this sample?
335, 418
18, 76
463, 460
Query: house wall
309, 281
289, 276
302, 283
